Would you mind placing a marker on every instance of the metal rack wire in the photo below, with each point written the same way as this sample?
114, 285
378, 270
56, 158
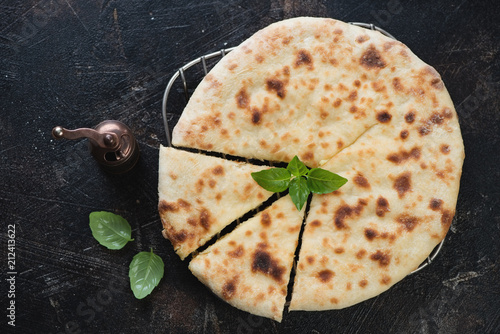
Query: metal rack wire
220, 54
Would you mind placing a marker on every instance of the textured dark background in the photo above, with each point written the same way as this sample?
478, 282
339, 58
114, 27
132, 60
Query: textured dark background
77, 63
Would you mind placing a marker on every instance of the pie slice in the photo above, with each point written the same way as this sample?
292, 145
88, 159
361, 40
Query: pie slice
199, 195
250, 267
397, 206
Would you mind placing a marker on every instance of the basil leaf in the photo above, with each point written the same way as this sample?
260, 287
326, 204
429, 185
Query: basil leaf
274, 179
145, 272
110, 230
297, 167
321, 181
299, 191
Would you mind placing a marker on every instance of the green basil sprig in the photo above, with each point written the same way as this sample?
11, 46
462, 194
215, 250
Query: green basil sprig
300, 180
110, 230
145, 272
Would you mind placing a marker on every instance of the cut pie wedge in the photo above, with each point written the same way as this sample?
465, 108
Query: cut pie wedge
250, 267
199, 195
397, 206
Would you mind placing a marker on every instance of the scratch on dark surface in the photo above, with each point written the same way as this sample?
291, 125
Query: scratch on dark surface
466, 276
48, 200
105, 4
77, 16
118, 32
9, 148
361, 316
460, 5
22, 16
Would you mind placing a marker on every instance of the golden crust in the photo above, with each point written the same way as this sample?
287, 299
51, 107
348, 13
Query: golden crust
361, 105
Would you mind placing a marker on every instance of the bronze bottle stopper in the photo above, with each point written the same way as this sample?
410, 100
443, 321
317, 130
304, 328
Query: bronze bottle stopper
111, 143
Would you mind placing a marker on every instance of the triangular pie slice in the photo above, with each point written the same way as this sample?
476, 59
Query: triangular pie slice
381, 225
199, 195
250, 267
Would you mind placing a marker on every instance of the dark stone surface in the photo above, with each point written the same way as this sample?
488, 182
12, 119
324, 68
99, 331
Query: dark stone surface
77, 63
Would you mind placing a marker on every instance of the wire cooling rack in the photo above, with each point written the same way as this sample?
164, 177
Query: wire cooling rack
181, 74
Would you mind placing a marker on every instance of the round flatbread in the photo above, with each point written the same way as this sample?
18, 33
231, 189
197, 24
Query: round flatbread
357, 103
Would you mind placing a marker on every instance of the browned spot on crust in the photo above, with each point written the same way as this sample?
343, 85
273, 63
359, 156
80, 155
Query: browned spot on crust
337, 103
229, 288
385, 280
404, 134
361, 181
378, 86
315, 223
218, 170
383, 258
325, 275
402, 184
232, 66
164, 207
403, 155
237, 253
362, 38
242, 99
382, 206
370, 234
447, 218
424, 130
407, 221
447, 113
410, 117
308, 156
436, 204
339, 250
353, 95
363, 283
384, 116
345, 211
361, 254
256, 116
205, 218
371, 59
436, 118
357, 83
398, 86
437, 83
310, 259
265, 219
304, 58
264, 263
212, 183
340, 143
259, 58
277, 86
173, 176
445, 149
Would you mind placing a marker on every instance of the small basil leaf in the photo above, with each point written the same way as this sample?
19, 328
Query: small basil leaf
145, 272
297, 167
321, 181
274, 179
299, 191
110, 230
